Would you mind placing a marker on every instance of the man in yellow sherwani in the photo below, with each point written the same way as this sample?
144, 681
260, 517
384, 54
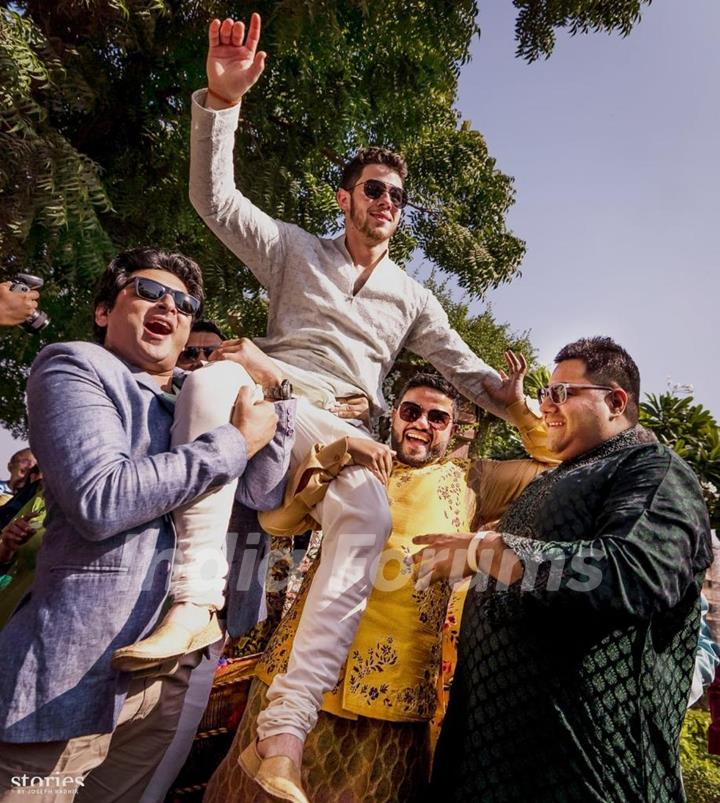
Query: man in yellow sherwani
372, 741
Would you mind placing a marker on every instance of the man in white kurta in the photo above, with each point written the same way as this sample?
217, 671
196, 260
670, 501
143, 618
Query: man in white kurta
340, 311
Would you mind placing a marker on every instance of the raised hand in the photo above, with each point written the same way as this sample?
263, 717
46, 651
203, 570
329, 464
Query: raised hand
233, 64
511, 389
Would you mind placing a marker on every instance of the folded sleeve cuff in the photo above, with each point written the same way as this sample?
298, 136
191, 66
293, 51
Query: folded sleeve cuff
532, 431
205, 122
306, 489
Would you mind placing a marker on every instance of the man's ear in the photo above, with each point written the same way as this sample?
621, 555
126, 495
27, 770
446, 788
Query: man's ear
101, 315
343, 198
617, 401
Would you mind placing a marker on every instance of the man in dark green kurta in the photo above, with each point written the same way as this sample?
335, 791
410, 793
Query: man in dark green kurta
573, 674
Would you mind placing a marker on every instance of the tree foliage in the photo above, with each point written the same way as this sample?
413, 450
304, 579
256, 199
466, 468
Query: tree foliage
538, 20
95, 115
94, 129
700, 769
689, 429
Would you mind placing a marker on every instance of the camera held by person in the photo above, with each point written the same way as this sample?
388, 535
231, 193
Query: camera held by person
18, 303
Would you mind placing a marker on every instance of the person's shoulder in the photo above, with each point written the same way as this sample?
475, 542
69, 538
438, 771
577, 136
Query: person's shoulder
656, 459
404, 287
642, 454
410, 282
460, 464
80, 354
298, 237
648, 453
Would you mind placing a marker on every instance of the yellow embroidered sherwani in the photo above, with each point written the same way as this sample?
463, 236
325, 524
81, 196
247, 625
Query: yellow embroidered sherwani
393, 672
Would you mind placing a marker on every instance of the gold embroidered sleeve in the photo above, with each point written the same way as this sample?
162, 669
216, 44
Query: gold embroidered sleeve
497, 483
306, 487
532, 431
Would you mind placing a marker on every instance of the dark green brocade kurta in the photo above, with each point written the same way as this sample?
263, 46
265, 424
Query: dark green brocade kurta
572, 685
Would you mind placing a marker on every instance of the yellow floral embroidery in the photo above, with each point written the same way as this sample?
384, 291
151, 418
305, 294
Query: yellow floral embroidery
392, 671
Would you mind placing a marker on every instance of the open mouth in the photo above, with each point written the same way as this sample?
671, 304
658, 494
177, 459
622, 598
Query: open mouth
416, 437
159, 327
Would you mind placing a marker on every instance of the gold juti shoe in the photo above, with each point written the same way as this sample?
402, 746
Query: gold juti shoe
279, 776
170, 640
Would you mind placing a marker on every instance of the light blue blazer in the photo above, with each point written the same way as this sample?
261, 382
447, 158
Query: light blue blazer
100, 430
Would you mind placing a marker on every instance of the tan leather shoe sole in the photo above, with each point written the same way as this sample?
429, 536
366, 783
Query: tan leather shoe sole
276, 775
170, 640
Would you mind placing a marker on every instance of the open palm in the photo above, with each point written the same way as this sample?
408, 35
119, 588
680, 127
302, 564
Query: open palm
234, 64
511, 388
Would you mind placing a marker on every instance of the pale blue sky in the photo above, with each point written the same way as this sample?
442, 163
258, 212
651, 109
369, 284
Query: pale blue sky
613, 144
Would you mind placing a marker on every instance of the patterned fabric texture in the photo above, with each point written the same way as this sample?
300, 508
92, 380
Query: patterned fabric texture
450, 635
392, 671
345, 761
572, 685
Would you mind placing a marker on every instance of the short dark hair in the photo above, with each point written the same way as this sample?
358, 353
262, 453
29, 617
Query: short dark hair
17, 454
606, 362
434, 381
125, 264
207, 326
372, 156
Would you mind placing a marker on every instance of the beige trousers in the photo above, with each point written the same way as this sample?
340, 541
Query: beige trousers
200, 567
355, 520
103, 767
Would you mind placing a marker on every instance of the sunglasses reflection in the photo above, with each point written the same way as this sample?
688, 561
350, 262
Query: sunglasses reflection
374, 189
411, 412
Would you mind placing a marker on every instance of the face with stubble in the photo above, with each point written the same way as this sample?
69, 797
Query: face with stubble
426, 438
375, 219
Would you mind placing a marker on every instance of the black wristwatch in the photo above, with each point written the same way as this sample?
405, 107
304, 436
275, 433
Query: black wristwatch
281, 392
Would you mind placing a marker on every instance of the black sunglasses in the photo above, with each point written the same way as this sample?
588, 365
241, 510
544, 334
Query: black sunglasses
374, 189
193, 352
410, 412
150, 290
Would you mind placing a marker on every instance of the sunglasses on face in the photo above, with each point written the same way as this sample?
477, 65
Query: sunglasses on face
558, 391
374, 189
191, 353
411, 412
150, 290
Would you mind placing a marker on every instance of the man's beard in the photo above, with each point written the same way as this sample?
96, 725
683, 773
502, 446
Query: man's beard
431, 455
364, 226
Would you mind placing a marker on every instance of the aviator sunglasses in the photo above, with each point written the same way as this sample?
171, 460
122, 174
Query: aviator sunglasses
558, 391
193, 352
410, 412
374, 189
150, 290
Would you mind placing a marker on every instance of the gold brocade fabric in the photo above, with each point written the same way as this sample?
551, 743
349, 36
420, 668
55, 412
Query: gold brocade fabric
394, 662
360, 761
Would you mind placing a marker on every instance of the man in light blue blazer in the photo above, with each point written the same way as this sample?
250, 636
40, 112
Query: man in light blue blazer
100, 427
